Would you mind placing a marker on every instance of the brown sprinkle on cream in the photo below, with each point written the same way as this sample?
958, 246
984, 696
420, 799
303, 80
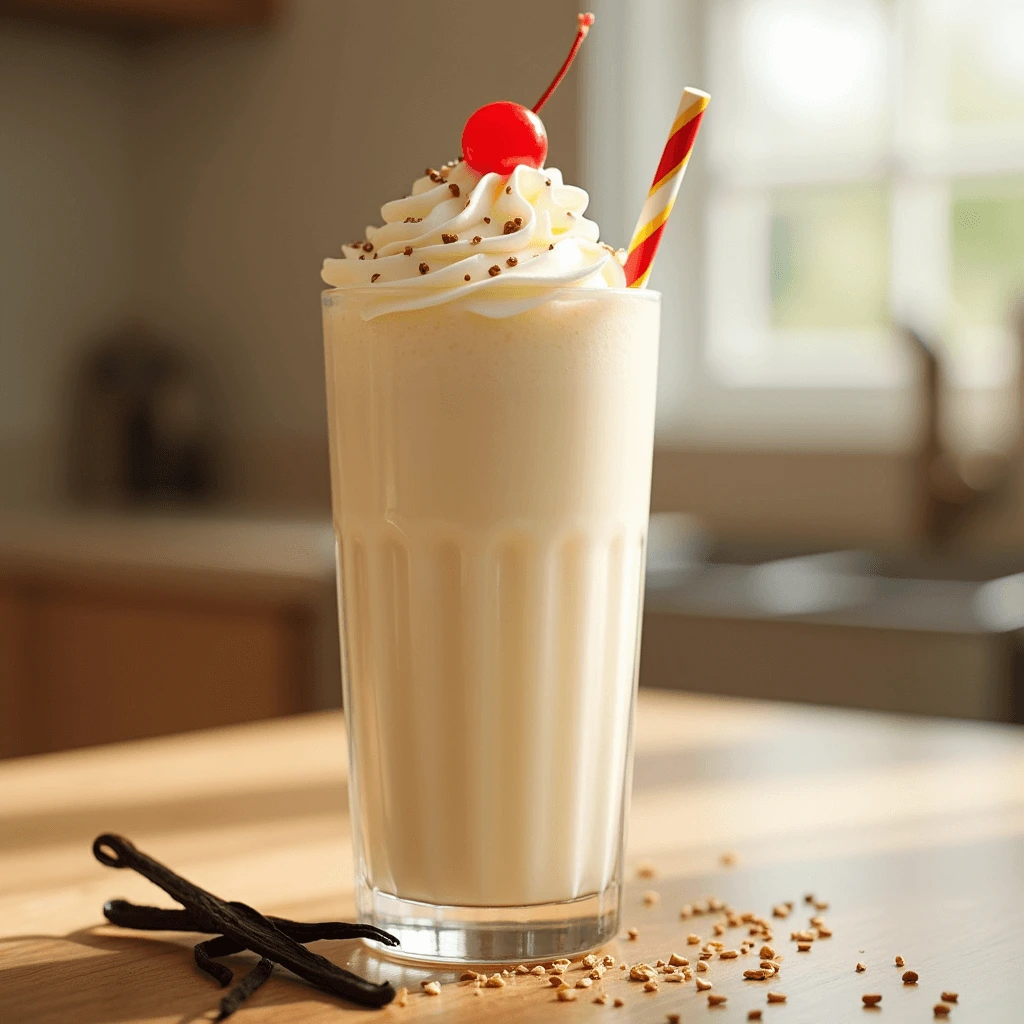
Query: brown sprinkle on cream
940, 1010
510, 226
487, 220
511, 261
407, 250
424, 268
871, 999
551, 245
494, 271
950, 997
672, 1018
448, 237
716, 999
453, 188
367, 246
431, 988
475, 240
374, 278
363, 257
508, 190
566, 995
466, 278
413, 220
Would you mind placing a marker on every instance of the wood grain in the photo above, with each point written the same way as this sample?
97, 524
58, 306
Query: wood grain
912, 830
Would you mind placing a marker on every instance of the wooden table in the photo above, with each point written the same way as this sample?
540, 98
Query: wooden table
912, 830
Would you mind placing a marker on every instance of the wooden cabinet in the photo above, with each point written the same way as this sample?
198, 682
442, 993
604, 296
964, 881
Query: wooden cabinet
146, 14
82, 664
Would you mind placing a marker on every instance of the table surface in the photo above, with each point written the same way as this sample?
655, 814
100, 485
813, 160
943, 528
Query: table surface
912, 830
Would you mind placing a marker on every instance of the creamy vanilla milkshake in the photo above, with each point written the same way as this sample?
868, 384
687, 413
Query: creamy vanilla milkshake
491, 392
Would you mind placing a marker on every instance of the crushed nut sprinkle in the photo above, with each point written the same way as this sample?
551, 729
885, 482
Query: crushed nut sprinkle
632, 934
566, 995
651, 986
910, 977
757, 974
538, 970
676, 977
495, 981
719, 928
584, 983
454, 189
802, 936
824, 933
432, 988
608, 960
678, 961
703, 985
641, 972
466, 278
407, 250
619, 1002
557, 981
900, 962
413, 220
510, 226
728, 954
401, 996
511, 262
672, 1018
781, 910
522, 969
950, 997
754, 1015
809, 898
551, 246
940, 1010
821, 905
702, 966
871, 999
487, 220
692, 940
424, 268
804, 947
776, 997
716, 999
601, 999
363, 257
367, 246
494, 271
448, 237
589, 960
728, 859
651, 898
645, 870
469, 976
598, 972
861, 968
767, 953
547, 181
508, 190
475, 240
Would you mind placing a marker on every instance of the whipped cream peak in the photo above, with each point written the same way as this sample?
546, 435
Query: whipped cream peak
497, 243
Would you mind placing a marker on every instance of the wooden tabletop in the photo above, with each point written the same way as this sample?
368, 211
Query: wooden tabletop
911, 830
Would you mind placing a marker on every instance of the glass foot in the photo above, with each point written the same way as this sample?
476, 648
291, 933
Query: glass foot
492, 935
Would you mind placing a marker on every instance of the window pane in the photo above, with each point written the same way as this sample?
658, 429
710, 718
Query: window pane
830, 259
987, 267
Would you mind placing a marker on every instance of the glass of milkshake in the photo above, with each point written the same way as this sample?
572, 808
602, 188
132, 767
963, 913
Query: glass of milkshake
491, 391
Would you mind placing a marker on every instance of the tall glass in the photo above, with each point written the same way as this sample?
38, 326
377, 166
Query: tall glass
491, 487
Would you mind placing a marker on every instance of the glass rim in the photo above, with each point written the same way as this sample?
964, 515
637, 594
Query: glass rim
567, 291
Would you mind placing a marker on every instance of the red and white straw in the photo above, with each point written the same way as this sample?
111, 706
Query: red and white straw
669, 176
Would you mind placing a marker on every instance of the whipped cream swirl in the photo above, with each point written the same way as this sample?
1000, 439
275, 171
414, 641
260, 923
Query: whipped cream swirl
497, 245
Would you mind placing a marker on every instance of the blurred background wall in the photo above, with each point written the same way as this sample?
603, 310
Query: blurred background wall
839, 474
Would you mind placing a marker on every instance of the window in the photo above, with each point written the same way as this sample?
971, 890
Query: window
861, 167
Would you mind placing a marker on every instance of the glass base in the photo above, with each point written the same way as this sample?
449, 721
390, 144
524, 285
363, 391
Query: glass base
492, 935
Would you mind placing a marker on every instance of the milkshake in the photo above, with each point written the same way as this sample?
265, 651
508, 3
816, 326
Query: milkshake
491, 388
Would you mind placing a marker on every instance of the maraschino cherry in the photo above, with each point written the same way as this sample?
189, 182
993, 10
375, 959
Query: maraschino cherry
500, 136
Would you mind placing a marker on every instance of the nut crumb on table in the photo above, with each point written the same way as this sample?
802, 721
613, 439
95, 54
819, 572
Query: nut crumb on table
431, 988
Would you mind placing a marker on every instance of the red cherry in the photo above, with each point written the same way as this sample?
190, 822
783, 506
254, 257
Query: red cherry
500, 136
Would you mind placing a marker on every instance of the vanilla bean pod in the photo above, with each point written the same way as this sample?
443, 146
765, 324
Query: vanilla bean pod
132, 915
244, 926
245, 988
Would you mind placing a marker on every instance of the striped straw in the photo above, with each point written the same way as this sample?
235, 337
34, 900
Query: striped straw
665, 187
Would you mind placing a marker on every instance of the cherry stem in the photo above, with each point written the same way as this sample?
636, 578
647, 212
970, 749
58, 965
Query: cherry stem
585, 21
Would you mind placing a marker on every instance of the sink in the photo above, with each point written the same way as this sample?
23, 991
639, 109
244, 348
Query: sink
932, 634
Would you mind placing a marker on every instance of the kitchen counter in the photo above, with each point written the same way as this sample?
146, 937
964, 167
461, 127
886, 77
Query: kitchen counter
911, 829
